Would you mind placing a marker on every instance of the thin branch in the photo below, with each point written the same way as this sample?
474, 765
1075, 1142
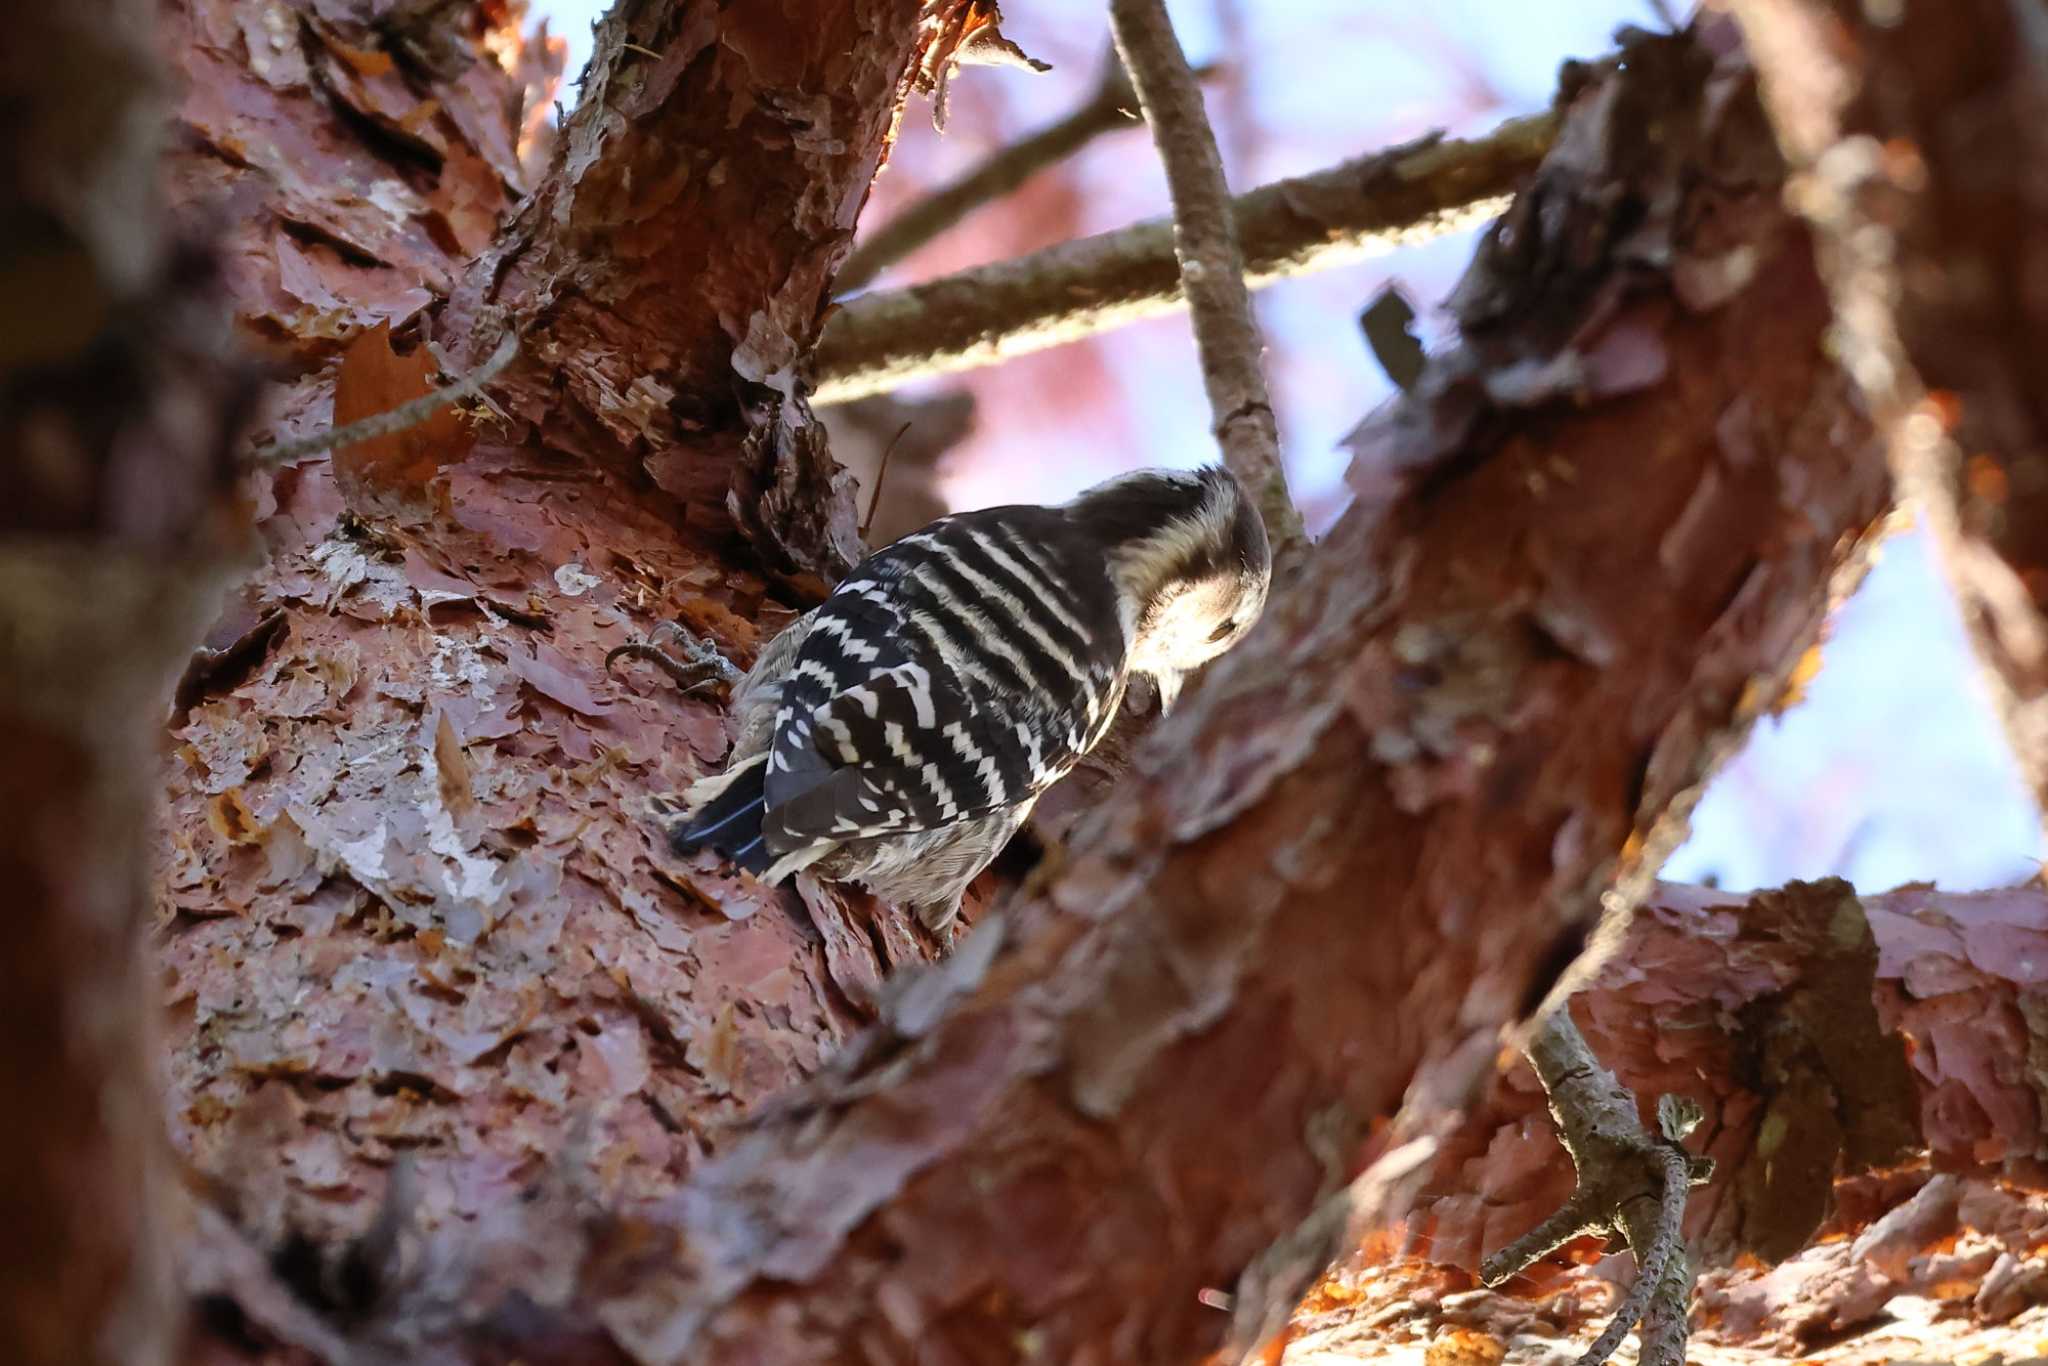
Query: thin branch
408, 414
1365, 207
1572, 1221
881, 474
1108, 109
1211, 261
1628, 1179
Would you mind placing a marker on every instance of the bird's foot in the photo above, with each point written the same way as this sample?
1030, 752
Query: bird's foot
691, 662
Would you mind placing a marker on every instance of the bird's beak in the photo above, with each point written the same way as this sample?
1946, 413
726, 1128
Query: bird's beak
1167, 685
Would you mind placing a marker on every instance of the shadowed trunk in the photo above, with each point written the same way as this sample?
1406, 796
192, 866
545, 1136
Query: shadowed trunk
116, 526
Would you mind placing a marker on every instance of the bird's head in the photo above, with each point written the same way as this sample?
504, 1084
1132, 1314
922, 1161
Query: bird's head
1191, 563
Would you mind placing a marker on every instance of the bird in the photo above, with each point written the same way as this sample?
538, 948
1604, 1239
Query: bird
898, 734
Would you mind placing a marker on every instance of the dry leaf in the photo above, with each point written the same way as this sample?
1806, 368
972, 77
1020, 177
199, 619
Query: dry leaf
376, 379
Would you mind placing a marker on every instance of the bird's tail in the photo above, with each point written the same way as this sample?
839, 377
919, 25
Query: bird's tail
728, 814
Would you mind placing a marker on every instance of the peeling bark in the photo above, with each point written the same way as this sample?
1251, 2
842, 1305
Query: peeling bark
430, 968
466, 1064
1919, 132
353, 163
1481, 690
1783, 1015
683, 244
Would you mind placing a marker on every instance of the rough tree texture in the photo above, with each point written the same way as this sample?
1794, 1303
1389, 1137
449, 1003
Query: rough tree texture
702, 197
117, 402
356, 156
437, 989
424, 955
680, 254
1607, 529
1774, 1012
1920, 132
1837, 1047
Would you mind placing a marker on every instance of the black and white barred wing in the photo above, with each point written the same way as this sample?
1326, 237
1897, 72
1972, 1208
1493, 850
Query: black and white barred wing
961, 671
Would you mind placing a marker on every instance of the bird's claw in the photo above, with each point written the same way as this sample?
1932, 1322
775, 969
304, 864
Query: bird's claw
693, 664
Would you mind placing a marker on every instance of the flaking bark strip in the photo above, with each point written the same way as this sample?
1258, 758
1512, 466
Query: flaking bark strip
2033, 1006
1839, 1093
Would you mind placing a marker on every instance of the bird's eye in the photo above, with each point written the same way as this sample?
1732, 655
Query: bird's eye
1222, 631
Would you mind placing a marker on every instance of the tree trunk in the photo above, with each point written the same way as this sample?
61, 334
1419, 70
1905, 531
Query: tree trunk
116, 524
1358, 847
406, 968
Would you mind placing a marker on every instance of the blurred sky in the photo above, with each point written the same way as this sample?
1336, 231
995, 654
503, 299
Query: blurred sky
1892, 770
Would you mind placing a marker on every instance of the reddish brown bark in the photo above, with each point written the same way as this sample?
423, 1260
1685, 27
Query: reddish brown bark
675, 265
1777, 1013
414, 915
116, 406
415, 920
1360, 842
355, 156
700, 200
1920, 131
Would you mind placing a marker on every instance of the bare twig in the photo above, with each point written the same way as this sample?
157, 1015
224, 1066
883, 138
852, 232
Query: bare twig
881, 474
1211, 261
1628, 1179
408, 414
992, 313
1109, 108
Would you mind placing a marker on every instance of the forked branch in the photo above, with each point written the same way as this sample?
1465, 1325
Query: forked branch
1629, 1181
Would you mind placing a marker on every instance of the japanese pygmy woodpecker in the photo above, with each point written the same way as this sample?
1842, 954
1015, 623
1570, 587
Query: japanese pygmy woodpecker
899, 733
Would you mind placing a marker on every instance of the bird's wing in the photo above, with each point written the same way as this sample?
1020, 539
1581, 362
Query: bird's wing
924, 696
904, 752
